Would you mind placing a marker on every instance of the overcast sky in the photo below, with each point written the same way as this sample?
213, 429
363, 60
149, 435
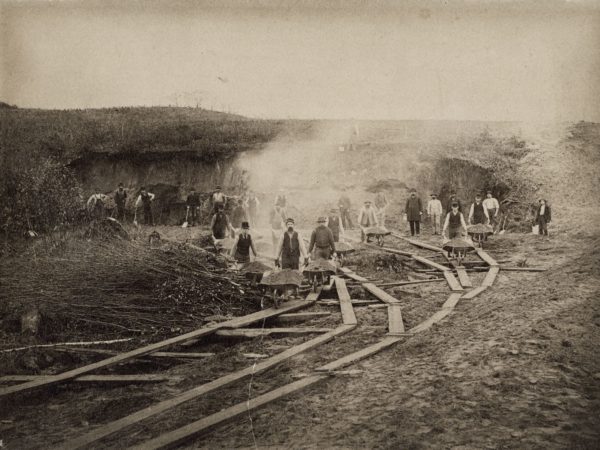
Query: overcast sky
431, 60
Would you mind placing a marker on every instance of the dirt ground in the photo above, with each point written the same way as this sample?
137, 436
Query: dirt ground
513, 368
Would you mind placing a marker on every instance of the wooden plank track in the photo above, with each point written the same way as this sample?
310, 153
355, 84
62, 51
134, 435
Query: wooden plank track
102, 351
490, 276
347, 272
348, 316
395, 321
380, 293
112, 427
474, 293
418, 243
234, 323
147, 378
180, 434
463, 277
300, 317
430, 263
256, 332
452, 281
487, 258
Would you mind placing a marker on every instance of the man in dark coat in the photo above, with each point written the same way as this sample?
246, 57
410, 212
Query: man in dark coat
413, 211
193, 206
321, 241
478, 213
345, 205
543, 216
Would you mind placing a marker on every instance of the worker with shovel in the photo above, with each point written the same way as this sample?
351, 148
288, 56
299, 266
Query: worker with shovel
493, 208
192, 208
290, 248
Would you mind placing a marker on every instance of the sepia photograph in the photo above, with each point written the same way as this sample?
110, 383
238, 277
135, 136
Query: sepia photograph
299, 224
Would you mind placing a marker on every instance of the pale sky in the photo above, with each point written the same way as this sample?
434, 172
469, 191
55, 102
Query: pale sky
461, 60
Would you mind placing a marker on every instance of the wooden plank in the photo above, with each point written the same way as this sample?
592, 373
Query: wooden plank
101, 351
395, 251
347, 272
256, 332
491, 276
426, 324
157, 408
452, 281
487, 258
361, 354
354, 302
452, 301
395, 322
299, 317
463, 277
236, 322
185, 432
406, 283
348, 316
524, 269
474, 293
176, 436
430, 263
418, 243
379, 293
147, 378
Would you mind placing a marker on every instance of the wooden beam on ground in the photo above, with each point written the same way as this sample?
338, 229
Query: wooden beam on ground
300, 317
354, 302
474, 293
523, 269
361, 354
406, 283
348, 316
430, 263
233, 323
348, 273
418, 243
487, 258
463, 277
157, 408
256, 332
380, 293
180, 434
101, 351
452, 281
452, 301
491, 276
148, 378
395, 322
426, 324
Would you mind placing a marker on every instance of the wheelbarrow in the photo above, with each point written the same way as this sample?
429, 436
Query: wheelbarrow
479, 233
342, 249
319, 273
254, 271
378, 233
278, 286
457, 249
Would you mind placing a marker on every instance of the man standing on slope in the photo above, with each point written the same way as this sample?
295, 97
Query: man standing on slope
145, 199
478, 214
413, 211
434, 211
366, 219
290, 248
321, 240
493, 208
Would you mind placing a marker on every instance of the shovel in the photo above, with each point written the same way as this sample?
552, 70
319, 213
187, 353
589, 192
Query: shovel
185, 223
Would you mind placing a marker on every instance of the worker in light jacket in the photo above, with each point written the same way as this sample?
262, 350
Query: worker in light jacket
366, 219
145, 199
493, 209
543, 217
434, 211
414, 211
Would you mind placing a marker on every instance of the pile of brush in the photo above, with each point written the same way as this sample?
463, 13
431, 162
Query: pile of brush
105, 288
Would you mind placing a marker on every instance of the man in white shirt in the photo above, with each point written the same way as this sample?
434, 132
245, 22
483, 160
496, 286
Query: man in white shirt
434, 211
366, 219
96, 205
218, 199
493, 208
145, 199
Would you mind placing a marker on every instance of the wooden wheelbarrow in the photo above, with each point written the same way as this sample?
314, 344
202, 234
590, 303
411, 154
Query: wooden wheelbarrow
278, 286
319, 272
457, 249
479, 233
378, 233
342, 249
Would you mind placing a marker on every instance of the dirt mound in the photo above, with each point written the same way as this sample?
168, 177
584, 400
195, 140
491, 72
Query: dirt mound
283, 278
255, 267
320, 265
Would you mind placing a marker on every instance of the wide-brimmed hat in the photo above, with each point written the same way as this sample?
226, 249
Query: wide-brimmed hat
245, 225
433, 195
217, 187
454, 205
367, 202
321, 220
413, 190
289, 220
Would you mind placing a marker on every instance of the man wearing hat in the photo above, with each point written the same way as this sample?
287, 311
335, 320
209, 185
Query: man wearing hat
218, 198
290, 248
145, 199
321, 241
413, 211
220, 225
381, 203
454, 225
193, 206
242, 245
478, 214
493, 208
434, 211
366, 219
334, 223
453, 199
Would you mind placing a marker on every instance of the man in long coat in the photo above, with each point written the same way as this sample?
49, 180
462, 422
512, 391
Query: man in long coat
413, 211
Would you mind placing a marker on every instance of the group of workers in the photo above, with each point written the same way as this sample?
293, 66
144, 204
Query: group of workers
97, 204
